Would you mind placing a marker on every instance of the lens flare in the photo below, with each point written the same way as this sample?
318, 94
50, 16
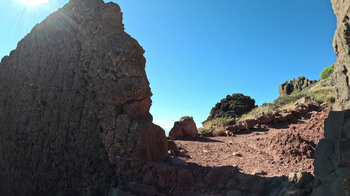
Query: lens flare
34, 2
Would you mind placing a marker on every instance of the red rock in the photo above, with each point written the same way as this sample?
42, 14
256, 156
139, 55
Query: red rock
184, 127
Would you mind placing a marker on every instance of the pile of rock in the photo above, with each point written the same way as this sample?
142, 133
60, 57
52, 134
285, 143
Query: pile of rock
232, 106
299, 84
291, 145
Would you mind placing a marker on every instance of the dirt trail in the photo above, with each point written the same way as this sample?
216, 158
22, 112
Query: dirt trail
276, 150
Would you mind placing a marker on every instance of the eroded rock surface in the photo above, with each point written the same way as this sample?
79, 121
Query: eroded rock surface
233, 106
341, 45
332, 156
75, 105
298, 84
184, 127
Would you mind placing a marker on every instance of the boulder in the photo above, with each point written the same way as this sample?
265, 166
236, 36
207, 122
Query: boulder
74, 105
232, 106
184, 127
332, 155
266, 118
235, 128
299, 84
249, 123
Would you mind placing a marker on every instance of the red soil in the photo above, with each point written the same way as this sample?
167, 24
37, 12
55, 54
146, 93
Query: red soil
276, 149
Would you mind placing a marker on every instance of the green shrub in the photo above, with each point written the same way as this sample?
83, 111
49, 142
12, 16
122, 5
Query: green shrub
287, 99
203, 131
264, 108
327, 72
217, 122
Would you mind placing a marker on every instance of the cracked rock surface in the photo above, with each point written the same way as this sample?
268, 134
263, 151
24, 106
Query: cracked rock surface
341, 45
74, 105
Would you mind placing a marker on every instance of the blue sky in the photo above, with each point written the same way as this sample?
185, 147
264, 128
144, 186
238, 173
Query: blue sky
199, 51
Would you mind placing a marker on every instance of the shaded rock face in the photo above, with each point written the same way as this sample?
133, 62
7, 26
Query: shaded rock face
184, 127
75, 105
232, 106
341, 45
299, 84
332, 156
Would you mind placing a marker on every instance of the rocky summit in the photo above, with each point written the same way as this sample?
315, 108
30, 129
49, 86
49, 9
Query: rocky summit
299, 84
233, 106
75, 105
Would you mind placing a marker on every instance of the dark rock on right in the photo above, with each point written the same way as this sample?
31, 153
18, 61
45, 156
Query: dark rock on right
332, 155
299, 84
341, 44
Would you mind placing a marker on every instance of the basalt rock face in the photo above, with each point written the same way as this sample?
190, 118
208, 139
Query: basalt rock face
341, 45
299, 84
74, 106
232, 106
332, 156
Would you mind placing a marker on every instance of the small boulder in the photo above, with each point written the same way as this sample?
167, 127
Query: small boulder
184, 127
237, 154
266, 118
249, 123
235, 128
258, 171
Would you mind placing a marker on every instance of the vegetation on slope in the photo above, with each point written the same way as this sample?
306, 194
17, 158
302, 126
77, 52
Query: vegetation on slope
327, 72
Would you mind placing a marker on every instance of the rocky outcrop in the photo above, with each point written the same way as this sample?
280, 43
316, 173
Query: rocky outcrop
341, 45
74, 106
299, 84
184, 127
232, 106
332, 156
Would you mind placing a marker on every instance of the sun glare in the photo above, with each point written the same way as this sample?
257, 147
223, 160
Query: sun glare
34, 2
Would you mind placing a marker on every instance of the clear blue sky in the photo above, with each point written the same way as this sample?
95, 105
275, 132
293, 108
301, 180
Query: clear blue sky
199, 51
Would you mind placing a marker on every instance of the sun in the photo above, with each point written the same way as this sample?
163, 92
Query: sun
34, 2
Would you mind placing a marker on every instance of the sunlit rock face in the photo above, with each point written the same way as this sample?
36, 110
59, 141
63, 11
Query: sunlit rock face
74, 106
341, 45
332, 156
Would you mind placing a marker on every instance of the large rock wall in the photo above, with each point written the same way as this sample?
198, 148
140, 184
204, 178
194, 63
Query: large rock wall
74, 106
332, 156
341, 45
